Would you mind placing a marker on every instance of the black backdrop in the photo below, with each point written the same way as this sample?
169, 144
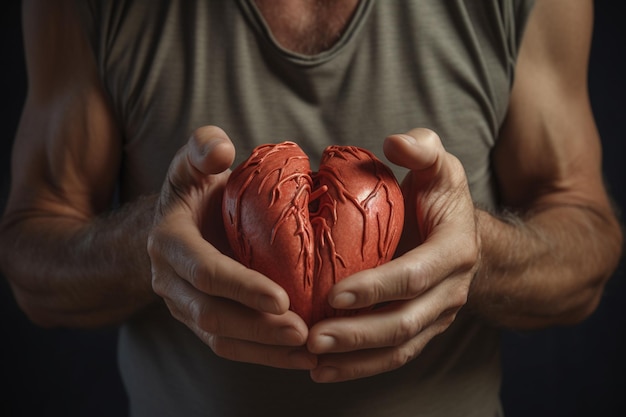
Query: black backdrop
573, 371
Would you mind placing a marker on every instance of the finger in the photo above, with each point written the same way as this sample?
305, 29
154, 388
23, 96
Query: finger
337, 367
219, 316
236, 333
208, 151
274, 356
409, 275
419, 149
392, 325
206, 269
433, 169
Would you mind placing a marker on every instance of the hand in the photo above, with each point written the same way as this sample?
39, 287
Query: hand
239, 313
424, 288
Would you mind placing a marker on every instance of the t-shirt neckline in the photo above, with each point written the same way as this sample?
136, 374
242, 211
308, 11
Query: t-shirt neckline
347, 37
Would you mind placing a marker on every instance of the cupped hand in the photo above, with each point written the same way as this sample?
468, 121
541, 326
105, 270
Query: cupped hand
239, 313
421, 290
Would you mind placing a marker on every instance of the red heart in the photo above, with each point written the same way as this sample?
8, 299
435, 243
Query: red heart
306, 230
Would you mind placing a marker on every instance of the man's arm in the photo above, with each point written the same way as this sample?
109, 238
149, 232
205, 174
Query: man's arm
548, 265
67, 261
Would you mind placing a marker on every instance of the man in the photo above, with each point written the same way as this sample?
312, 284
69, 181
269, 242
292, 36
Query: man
508, 216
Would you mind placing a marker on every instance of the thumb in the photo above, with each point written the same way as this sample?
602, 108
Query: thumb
418, 150
196, 166
210, 151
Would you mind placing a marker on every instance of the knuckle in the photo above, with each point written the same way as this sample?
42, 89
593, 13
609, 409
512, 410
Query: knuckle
206, 319
414, 281
468, 256
221, 346
459, 296
176, 312
448, 322
357, 339
233, 289
192, 272
406, 328
416, 285
376, 292
208, 279
356, 372
160, 282
400, 356
154, 244
157, 286
200, 275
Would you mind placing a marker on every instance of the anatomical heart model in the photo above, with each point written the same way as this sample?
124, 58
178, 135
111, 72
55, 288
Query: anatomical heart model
308, 230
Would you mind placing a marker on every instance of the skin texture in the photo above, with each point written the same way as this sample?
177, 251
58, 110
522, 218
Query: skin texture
546, 264
307, 27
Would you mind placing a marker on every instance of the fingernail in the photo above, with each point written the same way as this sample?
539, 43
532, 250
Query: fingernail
344, 300
324, 343
326, 374
408, 139
206, 148
300, 359
199, 152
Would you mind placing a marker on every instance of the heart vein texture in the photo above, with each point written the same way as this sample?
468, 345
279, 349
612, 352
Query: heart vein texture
308, 230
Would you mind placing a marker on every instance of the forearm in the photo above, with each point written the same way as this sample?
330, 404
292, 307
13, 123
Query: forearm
547, 268
66, 271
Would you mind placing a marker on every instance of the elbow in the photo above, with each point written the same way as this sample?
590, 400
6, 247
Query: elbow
552, 312
580, 305
584, 302
569, 308
580, 309
28, 296
37, 304
49, 311
42, 303
34, 310
40, 317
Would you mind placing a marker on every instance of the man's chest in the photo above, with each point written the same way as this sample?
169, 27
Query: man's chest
307, 26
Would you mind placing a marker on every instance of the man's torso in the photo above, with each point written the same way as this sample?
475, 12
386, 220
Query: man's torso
171, 67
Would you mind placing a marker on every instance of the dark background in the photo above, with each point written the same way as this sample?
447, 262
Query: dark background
573, 371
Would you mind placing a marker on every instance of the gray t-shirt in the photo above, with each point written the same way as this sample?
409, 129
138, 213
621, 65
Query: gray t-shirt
172, 66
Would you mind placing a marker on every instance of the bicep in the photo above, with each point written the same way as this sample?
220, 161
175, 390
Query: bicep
67, 148
549, 149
